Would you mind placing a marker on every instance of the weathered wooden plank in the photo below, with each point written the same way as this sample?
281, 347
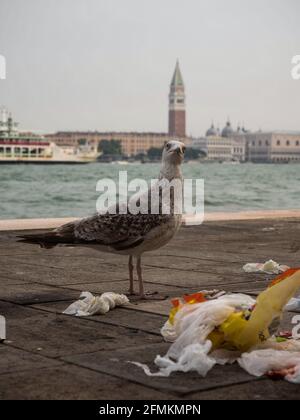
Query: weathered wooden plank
14, 360
264, 389
72, 382
58, 335
32, 272
123, 317
29, 293
116, 364
164, 291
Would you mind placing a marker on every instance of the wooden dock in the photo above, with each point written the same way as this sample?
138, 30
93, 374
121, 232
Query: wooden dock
48, 355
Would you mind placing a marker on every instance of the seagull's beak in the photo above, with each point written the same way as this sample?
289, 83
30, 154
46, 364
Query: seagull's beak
175, 152
178, 150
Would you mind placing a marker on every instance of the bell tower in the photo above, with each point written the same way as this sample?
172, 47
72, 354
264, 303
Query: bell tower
177, 105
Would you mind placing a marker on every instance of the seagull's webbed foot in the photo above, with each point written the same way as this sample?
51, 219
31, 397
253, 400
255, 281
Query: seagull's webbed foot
146, 296
148, 293
142, 295
152, 296
132, 293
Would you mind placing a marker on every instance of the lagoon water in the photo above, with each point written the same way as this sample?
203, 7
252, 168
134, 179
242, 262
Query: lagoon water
33, 191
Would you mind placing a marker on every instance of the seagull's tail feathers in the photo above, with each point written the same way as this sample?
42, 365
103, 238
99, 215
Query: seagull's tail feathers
63, 235
45, 240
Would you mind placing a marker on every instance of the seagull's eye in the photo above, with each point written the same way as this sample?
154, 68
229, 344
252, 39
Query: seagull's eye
168, 146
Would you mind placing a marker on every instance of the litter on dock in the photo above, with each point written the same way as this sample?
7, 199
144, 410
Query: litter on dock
230, 328
269, 267
92, 305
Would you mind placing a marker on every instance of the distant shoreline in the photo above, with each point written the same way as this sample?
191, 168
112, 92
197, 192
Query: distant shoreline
51, 223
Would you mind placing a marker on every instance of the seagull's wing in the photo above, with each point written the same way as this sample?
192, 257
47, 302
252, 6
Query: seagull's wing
117, 231
121, 231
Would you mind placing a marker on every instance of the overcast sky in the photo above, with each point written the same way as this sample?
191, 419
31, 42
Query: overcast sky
107, 64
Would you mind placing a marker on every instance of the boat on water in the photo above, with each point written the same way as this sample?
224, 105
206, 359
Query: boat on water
231, 162
27, 147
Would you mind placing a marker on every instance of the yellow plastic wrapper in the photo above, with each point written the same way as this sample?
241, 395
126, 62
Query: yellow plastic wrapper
243, 330
269, 305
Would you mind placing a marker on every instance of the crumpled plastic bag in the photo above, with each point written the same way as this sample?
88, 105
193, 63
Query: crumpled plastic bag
231, 328
269, 267
260, 362
92, 305
194, 322
193, 357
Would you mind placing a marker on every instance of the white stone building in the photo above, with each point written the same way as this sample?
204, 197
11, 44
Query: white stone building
273, 147
227, 146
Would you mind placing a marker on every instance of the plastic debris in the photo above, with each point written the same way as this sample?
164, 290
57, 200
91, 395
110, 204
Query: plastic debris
274, 363
293, 305
231, 328
269, 267
88, 304
268, 229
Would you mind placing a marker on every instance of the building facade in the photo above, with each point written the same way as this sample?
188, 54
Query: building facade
221, 149
132, 144
225, 146
273, 147
239, 149
177, 124
244, 146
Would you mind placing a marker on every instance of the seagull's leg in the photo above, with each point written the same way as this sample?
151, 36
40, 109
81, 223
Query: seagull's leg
130, 268
142, 293
140, 278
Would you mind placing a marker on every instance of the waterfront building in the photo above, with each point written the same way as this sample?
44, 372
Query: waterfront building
227, 146
238, 148
132, 144
244, 146
220, 149
273, 147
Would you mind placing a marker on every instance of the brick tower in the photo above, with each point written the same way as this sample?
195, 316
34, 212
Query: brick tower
177, 105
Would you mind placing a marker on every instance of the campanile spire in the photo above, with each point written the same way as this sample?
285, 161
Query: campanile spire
177, 104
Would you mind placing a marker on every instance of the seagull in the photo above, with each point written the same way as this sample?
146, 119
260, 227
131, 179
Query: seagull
125, 233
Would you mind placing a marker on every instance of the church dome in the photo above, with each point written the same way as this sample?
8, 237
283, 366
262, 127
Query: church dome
211, 131
227, 130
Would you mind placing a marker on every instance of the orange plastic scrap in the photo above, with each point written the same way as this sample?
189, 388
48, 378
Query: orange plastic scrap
175, 303
188, 299
194, 298
284, 276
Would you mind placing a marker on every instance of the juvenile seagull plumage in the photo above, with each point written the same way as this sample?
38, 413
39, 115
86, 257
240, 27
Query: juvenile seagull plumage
128, 234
